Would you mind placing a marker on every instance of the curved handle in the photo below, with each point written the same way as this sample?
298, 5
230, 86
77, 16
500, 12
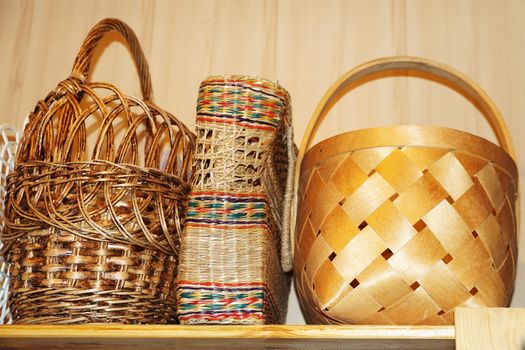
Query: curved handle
85, 54
436, 71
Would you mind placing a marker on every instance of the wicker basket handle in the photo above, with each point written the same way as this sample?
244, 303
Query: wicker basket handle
85, 55
435, 71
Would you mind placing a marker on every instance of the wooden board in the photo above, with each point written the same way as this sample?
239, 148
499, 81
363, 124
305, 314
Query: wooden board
225, 337
479, 329
490, 329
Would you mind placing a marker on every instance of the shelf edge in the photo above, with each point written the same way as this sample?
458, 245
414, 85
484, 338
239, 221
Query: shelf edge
229, 332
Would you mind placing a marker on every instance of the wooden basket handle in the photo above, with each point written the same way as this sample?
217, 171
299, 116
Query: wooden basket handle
435, 71
85, 54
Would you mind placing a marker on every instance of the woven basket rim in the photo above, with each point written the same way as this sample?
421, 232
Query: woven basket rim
99, 162
409, 135
241, 78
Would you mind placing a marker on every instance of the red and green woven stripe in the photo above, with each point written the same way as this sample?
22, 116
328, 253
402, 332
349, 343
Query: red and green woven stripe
215, 302
251, 104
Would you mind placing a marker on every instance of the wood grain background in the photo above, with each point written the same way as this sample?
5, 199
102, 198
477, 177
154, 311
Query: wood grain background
305, 45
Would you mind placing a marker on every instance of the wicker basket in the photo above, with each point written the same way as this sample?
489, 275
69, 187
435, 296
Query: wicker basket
239, 210
8, 144
400, 225
93, 228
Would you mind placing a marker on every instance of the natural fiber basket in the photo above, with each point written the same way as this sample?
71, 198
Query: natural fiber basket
239, 210
93, 227
9, 139
400, 225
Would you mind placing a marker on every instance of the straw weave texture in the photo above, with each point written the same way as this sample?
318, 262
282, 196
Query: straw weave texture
238, 218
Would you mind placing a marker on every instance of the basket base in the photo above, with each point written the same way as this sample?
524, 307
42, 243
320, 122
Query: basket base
231, 303
71, 305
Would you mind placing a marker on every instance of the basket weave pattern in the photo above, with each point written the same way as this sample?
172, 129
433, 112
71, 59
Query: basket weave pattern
386, 232
239, 206
93, 229
401, 225
8, 144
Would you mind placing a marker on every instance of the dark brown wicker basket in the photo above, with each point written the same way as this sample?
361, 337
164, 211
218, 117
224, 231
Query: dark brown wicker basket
95, 204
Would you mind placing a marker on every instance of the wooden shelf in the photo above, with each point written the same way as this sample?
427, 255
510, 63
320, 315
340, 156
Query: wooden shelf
475, 329
225, 337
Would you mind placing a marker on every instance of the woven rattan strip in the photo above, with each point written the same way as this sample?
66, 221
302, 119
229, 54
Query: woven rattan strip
401, 225
96, 202
238, 216
9, 139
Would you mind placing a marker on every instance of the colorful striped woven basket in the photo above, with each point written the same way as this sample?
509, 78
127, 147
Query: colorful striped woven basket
239, 211
9, 139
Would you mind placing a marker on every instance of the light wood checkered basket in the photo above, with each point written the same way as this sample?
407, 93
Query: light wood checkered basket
400, 225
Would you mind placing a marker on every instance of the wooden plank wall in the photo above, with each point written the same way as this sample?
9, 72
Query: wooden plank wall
305, 44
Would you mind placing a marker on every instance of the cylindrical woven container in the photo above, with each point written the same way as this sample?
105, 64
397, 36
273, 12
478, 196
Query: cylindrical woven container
235, 246
96, 202
401, 225
9, 139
